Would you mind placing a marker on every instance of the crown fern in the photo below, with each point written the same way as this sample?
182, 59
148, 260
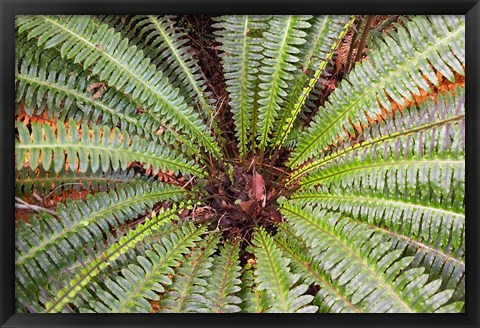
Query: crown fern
139, 199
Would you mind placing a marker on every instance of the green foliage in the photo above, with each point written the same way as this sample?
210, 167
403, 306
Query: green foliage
372, 209
395, 71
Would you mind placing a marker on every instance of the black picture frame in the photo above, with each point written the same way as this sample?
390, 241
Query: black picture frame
10, 8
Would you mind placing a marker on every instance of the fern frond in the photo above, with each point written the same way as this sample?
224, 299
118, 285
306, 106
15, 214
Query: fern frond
167, 45
73, 259
104, 149
410, 179
253, 300
51, 242
44, 182
281, 48
374, 277
329, 298
79, 280
47, 83
66, 95
412, 124
115, 62
323, 39
438, 228
395, 71
144, 278
240, 62
221, 286
190, 282
274, 276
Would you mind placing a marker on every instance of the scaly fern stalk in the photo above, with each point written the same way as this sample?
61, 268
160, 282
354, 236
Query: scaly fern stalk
396, 71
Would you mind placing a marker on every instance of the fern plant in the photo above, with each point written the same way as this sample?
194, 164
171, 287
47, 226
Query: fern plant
140, 198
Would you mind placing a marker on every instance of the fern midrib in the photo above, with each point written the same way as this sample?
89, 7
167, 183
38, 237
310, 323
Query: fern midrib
382, 164
297, 102
308, 59
69, 179
379, 200
271, 102
419, 245
367, 144
188, 283
72, 228
172, 253
184, 67
225, 276
78, 279
126, 152
199, 133
243, 105
309, 56
317, 276
391, 77
283, 297
359, 259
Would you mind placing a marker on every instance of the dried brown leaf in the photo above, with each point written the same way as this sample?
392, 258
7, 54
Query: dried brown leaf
258, 187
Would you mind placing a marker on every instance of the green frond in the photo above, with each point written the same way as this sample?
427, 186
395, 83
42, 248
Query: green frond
167, 45
44, 182
147, 276
73, 258
395, 71
242, 47
408, 179
48, 242
104, 149
45, 82
274, 276
436, 227
329, 298
323, 38
125, 67
404, 133
190, 280
367, 217
220, 292
281, 43
374, 277
48, 84
80, 279
253, 300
